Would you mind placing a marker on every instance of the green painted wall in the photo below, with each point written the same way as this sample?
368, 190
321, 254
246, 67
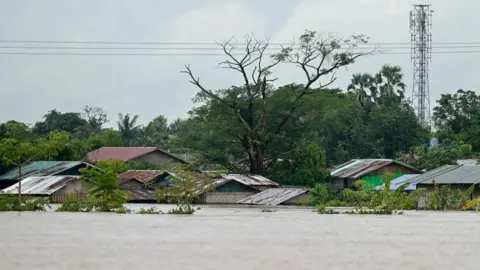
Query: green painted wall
234, 186
377, 180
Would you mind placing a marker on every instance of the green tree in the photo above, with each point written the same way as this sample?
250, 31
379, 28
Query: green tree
156, 133
128, 128
457, 111
56, 121
185, 188
105, 194
19, 152
248, 106
305, 168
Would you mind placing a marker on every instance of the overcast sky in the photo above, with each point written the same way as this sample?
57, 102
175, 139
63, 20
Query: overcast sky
30, 85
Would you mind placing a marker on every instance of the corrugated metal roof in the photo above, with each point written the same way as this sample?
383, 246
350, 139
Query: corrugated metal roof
357, 168
141, 195
126, 153
397, 182
274, 196
450, 174
45, 185
40, 168
143, 176
250, 179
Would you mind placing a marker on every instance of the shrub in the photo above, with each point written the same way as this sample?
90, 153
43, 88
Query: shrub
73, 204
149, 211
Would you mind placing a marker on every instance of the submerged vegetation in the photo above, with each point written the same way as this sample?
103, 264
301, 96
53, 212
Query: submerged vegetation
11, 203
149, 211
183, 189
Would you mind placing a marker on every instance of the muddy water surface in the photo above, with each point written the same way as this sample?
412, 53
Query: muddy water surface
239, 238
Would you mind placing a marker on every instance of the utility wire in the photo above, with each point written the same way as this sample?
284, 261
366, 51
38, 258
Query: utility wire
197, 54
203, 48
198, 43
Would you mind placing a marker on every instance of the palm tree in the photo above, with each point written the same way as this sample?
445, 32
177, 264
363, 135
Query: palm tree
128, 128
390, 84
360, 83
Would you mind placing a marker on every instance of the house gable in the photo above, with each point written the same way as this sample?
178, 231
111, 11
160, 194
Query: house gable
234, 186
157, 157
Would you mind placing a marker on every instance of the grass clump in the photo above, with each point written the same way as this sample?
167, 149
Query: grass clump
267, 210
149, 211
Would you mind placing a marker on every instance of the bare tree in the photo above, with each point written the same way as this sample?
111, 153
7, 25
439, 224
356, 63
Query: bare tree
317, 57
96, 117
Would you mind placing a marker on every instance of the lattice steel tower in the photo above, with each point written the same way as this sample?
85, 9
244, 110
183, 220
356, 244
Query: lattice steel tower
421, 52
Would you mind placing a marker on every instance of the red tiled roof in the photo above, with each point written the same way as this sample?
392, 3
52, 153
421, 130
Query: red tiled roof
125, 153
143, 176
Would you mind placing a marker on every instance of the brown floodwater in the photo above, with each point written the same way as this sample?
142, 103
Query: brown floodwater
239, 238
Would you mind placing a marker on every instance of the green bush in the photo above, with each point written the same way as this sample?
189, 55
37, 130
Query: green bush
73, 204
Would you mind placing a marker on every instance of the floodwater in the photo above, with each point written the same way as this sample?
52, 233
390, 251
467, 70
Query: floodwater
239, 239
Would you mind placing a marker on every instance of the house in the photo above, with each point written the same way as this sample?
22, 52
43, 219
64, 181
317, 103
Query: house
460, 176
231, 188
140, 184
152, 155
372, 171
42, 168
54, 187
278, 196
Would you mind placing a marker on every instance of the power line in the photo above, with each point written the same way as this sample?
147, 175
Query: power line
197, 43
200, 48
196, 54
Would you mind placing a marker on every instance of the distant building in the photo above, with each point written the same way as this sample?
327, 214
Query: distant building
372, 171
54, 187
41, 168
152, 155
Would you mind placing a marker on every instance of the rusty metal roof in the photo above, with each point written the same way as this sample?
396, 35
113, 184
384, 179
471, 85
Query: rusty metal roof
141, 194
40, 168
127, 153
45, 185
143, 176
250, 180
274, 196
357, 168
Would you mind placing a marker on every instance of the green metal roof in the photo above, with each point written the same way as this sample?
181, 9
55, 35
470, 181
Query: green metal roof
39, 168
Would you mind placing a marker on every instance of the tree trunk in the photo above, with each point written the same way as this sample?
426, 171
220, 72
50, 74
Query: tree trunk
20, 187
256, 158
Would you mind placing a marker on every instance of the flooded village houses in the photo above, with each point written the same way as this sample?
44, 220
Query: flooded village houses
55, 179
371, 171
227, 188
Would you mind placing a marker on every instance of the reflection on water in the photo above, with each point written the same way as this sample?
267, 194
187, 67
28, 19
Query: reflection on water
238, 238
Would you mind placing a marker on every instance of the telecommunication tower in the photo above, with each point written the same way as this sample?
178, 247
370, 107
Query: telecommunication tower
421, 54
